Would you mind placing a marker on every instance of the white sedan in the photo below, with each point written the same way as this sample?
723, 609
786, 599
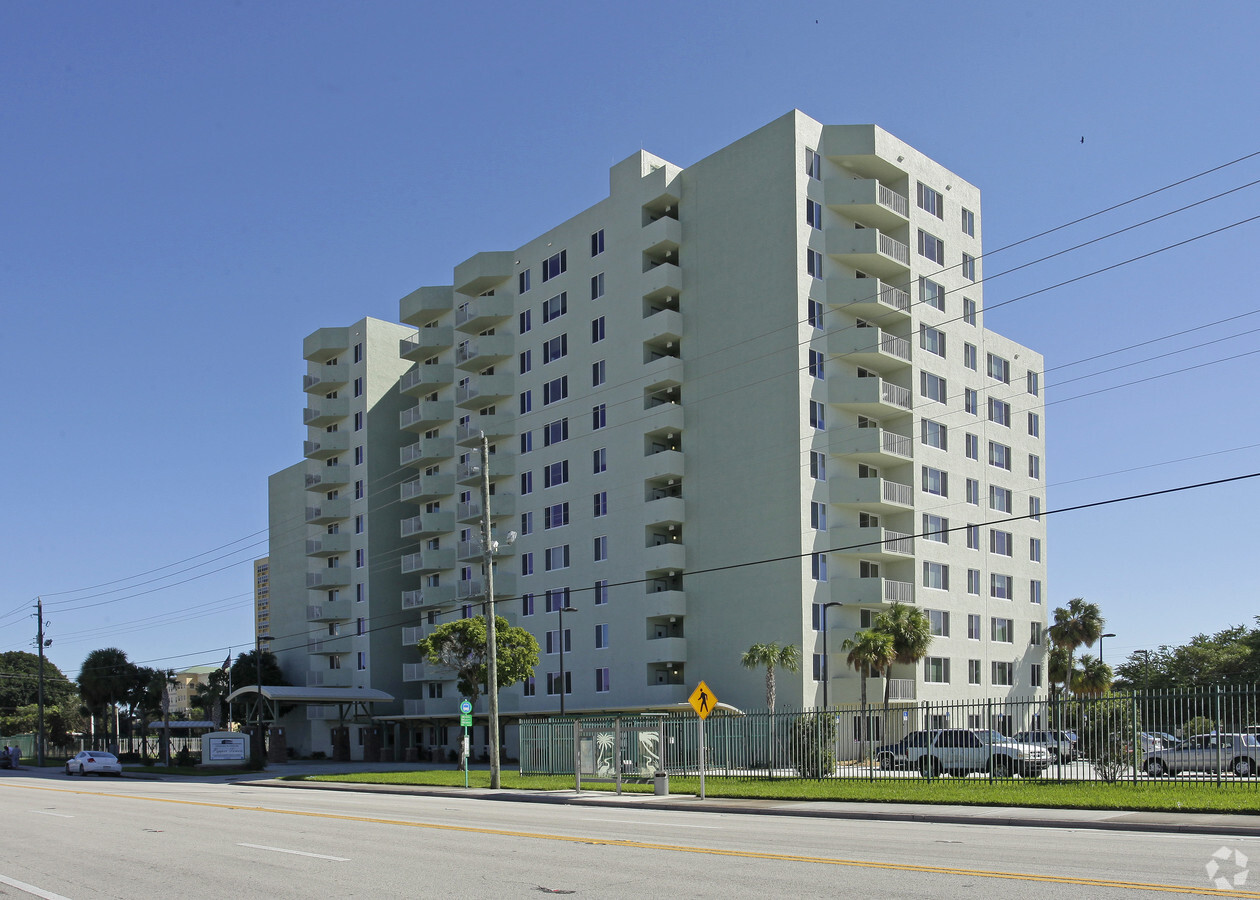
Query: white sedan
94, 761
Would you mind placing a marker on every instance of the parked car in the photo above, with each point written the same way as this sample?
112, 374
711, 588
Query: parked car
962, 751
1237, 753
1062, 748
88, 761
897, 754
1148, 741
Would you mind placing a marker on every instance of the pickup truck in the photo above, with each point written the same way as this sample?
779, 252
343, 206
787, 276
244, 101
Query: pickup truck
1237, 753
962, 751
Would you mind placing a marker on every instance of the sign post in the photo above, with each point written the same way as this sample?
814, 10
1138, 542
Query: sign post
703, 701
465, 721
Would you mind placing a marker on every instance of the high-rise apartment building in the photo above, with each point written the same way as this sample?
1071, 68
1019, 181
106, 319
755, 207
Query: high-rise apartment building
728, 404
262, 603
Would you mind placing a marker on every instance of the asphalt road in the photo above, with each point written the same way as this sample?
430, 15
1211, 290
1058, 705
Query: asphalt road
88, 838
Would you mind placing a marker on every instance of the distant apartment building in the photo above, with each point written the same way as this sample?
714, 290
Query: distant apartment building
731, 403
262, 602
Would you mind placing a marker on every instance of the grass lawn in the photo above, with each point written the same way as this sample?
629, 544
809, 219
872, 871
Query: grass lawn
1231, 797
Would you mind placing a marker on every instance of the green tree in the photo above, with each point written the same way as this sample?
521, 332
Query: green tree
870, 653
1077, 625
461, 646
20, 686
771, 656
911, 634
104, 679
210, 694
1092, 678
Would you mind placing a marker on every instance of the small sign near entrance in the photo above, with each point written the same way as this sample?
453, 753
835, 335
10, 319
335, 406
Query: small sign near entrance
702, 700
465, 707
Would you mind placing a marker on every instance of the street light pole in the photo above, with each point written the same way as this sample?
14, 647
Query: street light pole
492, 649
563, 609
1100, 645
826, 658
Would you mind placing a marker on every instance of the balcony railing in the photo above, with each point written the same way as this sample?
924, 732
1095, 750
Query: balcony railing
898, 591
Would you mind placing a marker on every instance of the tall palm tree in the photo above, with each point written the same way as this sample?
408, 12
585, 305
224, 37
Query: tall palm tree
772, 656
1077, 625
870, 653
1092, 678
911, 634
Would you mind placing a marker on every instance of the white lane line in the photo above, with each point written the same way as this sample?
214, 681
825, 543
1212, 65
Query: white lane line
662, 824
44, 812
296, 852
31, 889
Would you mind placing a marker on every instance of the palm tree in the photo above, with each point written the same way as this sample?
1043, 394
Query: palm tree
1092, 678
104, 680
911, 634
1079, 624
871, 653
772, 656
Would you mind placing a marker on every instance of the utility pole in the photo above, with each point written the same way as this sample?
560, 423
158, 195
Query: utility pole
492, 650
39, 639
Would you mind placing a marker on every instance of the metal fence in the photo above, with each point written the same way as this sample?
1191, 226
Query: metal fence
1192, 736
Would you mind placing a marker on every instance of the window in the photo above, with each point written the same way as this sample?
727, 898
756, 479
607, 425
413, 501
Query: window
999, 369
597, 330
818, 516
935, 482
1002, 631
597, 243
358, 490
969, 223
969, 356
817, 415
936, 576
556, 558
527, 441
601, 592
555, 432
971, 401
1034, 591
932, 387
556, 306
969, 311
358, 455
1034, 637
973, 671
556, 264
1003, 673
525, 362
556, 515
358, 421
813, 263
553, 640
522, 282
999, 498
1001, 542
973, 537
1000, 456
1034, 424
557, 598
358, 524
973, 627
932, 293
817, 465
527, 523
969, 267
527, 564
1001, 587
1034, 549
528, 686
930, 201
358, 386
936, 670
813, 313
813, 164
435, 691
555, 390
935, 528
527, 483
1034, 383
816, 364
600, 458
600, 503
934, 434
526, 401
973, 491
999, 412
597, 286
555, 474
1034, 466
813, 214
601, 548
1034, 508
361, 660
599, 416
818, 566
971, 446
1034, 674
938, 620
819, 667
358, 353
932, 340
932, 247
525, 322
601, 680
527, 604
973, 582
358, 558
598, 373
556, 348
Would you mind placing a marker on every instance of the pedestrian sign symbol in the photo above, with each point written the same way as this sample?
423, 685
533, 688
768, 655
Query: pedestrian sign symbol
702, 700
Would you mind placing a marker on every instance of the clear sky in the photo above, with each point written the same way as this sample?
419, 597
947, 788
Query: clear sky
190, 189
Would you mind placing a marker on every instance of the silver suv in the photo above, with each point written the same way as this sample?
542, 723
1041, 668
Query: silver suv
962, 751
1061, 746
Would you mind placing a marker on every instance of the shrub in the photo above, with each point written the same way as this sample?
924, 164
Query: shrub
812, 745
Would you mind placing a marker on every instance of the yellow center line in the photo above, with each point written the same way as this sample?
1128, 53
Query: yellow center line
675, 848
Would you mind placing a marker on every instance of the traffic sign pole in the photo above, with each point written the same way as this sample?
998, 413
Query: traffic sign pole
700, 722
703, 701
465, 720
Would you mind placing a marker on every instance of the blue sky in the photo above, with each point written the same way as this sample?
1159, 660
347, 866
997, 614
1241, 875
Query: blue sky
190, 189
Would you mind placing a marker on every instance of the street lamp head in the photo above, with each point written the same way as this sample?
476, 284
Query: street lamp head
1107, 635
568, 609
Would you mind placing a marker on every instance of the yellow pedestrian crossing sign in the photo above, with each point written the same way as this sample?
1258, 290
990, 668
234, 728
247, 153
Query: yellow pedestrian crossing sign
702, 700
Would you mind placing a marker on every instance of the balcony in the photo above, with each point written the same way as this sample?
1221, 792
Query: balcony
873, 348
667, 684
321, 379
426, 450
427, 487
666, 650
330, 644
870, 250
423, 380
868, 201
427, 525
426, 414
662, 236
661, 188
325, 344
329, 577
664, 603
426, 342
327, 412
664, 372
425, 305
875, 446
474, 588
328, 545
668, 557
663, 417
869, 297
419, 672
484, 271
429, 595
662, 281
502, 465
471, 550
414, 706
327, 512
484, 390
666, 464
665, 511
328, 611
321, 478
872, 543
338, 678
428, 561
901, 689
476, 315
484, 350
870, 396
501, 505
329, 444
496, 426
872, 494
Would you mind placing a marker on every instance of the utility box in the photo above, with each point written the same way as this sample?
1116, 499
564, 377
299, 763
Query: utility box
225, 748
277, 746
